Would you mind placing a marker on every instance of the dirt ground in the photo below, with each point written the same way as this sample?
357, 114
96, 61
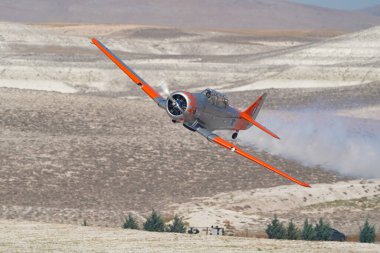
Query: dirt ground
21, 236
107, 150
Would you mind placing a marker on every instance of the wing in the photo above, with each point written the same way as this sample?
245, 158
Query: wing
134, 77
216, 139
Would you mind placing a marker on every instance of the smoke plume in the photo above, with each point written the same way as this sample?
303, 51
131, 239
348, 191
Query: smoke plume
320, 138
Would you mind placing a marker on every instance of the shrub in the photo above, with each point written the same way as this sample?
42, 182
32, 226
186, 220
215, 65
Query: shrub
308, 232
154, 223
130, 222
292, 232
323, 231
367, 233
178, 226
276, 229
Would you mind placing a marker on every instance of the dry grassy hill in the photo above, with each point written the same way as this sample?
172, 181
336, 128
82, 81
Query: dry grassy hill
241, 14
69, 157
100, 148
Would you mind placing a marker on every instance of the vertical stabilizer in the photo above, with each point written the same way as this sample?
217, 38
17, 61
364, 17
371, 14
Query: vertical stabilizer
251, 113
253, 109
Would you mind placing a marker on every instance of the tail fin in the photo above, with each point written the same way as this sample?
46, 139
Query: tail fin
253, 109
251, 113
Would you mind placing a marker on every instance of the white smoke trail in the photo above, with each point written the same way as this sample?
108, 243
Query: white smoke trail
320, 138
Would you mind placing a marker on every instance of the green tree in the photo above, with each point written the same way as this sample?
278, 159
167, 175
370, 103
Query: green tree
323, 231
292, 232
367, 233
154, 223
130, 222
308, 231
178, 226
276, 230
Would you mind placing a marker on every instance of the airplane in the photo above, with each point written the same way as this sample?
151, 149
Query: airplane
204, 112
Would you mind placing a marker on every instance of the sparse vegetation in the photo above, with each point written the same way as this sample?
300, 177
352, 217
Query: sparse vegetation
292, 232
178, 225
21, 236
130, 222
322, 231
154, 222
276, 229
308, 231
228, 225
367, 233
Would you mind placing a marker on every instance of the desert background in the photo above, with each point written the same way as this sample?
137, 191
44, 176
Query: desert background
80, 142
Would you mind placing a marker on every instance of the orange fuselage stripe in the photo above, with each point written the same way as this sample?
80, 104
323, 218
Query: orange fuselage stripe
230, 146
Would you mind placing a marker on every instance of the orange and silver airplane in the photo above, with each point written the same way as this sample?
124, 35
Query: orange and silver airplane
204, 112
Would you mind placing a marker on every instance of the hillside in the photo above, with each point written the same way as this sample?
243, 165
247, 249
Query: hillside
345, 205
97, 158
84, 143
210, 14
374, 10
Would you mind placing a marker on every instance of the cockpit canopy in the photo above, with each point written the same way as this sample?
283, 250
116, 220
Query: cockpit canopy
216, 98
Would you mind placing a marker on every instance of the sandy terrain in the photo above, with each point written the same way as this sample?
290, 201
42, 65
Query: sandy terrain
230, 61
82, 156
84, 143
16, 236
252, 210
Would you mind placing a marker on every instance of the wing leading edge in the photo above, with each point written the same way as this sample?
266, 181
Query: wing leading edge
129, 72
218, 140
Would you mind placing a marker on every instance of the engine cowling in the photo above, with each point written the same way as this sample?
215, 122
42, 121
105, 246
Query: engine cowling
183, 106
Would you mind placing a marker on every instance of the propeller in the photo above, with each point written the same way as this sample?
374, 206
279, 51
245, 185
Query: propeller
165, 89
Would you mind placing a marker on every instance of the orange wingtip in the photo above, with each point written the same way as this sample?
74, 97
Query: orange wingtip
239, 151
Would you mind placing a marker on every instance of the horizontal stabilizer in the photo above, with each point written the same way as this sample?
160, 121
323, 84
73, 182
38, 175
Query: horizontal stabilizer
257, 124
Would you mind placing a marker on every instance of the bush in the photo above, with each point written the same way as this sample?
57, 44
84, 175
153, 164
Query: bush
367, 233
276, 229
130, 222
154, 223
292, 232
178, 226
323, 231
308, 232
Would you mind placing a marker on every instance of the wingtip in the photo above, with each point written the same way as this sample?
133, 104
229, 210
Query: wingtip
273, 135
306, 185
